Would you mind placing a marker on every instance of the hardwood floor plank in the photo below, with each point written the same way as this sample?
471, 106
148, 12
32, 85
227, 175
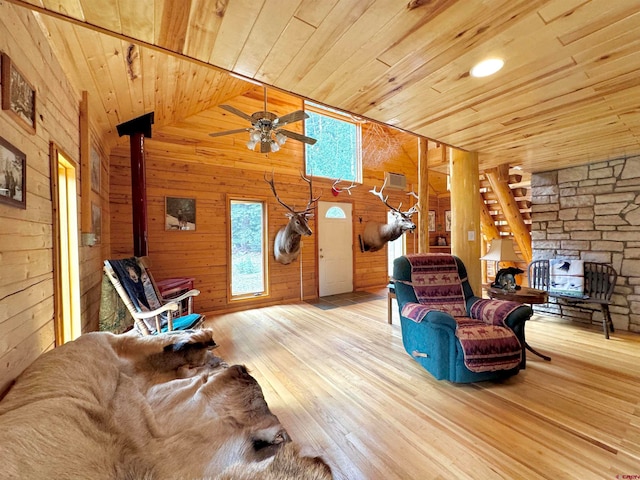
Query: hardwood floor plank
343, 386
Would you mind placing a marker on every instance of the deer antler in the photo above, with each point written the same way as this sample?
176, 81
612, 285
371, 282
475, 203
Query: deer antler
292, 210
311, 199
416, 207
412, 210
273, 189
384, 199
334, 187
408, 213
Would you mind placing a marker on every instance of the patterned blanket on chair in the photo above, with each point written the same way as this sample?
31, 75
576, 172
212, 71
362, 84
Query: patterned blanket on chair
487, 348
486, 343
437, 284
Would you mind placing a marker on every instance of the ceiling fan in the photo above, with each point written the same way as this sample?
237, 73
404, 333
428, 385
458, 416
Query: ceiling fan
266, 128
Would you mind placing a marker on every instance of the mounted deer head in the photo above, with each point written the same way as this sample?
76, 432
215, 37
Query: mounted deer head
377, 234
286, 247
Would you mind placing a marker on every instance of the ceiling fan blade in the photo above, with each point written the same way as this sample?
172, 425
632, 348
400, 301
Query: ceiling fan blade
237, 112
290, 118
297, 136
228, 132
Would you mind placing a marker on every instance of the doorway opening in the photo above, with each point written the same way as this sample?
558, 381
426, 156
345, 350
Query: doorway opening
68, 323
395, 248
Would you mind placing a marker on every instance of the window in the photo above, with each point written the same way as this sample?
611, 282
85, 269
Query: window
338, 151
248, 248
335, 212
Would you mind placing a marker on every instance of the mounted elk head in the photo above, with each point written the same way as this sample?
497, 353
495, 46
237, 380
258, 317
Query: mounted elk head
286, 247
377, 234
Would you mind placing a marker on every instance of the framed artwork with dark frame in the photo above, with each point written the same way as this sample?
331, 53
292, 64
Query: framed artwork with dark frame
94, 168
432, 220
447, 220
18, 95
180, 213
96, 221
13, 175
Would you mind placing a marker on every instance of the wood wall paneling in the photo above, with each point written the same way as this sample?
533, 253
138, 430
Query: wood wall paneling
209, 174
26, 236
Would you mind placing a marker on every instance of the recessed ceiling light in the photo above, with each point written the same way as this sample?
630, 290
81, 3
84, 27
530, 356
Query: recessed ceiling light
486, 67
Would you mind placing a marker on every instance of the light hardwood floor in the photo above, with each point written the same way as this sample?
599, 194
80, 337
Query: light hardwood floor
344, 387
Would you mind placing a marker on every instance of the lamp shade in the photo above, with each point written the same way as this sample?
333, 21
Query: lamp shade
501, 251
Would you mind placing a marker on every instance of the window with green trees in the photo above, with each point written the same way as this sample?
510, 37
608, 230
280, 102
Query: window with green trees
248, 248
337, 152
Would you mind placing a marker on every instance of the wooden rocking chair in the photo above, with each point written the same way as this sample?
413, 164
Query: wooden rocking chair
151, 313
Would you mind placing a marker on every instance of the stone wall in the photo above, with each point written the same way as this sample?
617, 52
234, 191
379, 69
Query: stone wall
592, 212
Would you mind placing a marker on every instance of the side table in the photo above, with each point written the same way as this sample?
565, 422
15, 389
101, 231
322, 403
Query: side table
174, 287
528, 295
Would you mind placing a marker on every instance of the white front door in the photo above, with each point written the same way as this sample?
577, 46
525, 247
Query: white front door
335, 248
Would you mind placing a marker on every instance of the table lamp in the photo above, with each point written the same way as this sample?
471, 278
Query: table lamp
501, 250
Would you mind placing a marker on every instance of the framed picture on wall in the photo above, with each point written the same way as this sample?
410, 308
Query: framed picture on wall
180, 213
18, 96
94, 168
96, 221
432, 220
13, 175
447, 220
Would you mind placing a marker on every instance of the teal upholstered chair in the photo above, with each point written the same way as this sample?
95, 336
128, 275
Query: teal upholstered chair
151, 313
452, 333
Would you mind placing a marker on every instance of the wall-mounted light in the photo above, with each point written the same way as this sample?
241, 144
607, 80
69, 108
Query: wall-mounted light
487, 67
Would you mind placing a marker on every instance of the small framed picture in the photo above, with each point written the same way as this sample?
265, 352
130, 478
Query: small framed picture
432, 220
96, 221
13, 175
94, 168
180, 213
18, 96
447, 220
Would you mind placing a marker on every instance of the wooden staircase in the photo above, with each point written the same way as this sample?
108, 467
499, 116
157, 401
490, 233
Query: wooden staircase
507, 189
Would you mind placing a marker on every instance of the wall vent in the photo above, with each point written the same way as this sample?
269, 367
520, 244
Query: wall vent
395, 181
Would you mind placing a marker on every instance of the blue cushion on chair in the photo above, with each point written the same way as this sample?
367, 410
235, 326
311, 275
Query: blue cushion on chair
184, 323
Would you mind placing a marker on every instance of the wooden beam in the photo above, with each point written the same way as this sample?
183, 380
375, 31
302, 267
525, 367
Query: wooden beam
86, 225
423, 194
499, 179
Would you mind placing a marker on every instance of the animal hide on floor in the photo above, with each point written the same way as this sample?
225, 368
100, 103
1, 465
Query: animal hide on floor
122, 406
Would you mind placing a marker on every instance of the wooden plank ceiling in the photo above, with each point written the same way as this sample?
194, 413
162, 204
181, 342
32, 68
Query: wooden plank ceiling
569, 92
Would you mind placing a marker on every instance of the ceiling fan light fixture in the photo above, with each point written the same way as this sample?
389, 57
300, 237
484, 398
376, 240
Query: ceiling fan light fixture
281, 138
265, 127
486, 67
255, 135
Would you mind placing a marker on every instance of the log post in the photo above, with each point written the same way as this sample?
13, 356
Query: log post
423, 196
465, 213
138, 129
487, 225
